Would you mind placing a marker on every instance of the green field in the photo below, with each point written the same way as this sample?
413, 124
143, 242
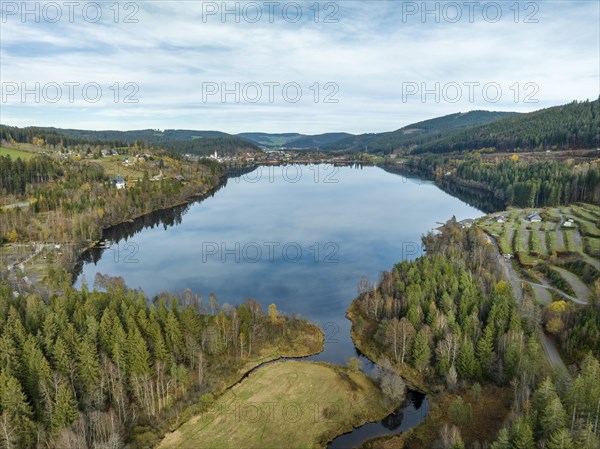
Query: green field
4, 151
541, 242
537, 243
506, 239
589, 214
113, 167
286, 404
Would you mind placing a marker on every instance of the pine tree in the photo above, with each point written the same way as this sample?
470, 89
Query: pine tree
502, 441
523, 435
586, 438
65, 409
467, 364
553, 417
421, 351
485, 350
15, 418
88, 369
138, 356
560, 440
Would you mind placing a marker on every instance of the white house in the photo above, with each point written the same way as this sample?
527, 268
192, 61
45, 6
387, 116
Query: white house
120, 183
533, 218
466, 223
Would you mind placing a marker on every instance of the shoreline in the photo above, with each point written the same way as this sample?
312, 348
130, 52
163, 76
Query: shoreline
323, 441
412, 381
80, 250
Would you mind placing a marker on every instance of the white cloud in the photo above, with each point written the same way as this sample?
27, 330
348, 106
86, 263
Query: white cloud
369, 54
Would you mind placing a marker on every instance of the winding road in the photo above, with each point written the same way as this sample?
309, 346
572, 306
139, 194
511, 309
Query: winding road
515, 280
549, 287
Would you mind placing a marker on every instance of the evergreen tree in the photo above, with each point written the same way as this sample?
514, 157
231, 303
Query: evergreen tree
421, 351
523, 435
560, 440
553, 417
65, 409
467, 364
502, 441
15, 413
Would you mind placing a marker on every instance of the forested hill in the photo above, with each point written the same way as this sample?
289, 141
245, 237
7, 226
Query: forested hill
146, 135
571, 126
419, 133
294, 140
186, 141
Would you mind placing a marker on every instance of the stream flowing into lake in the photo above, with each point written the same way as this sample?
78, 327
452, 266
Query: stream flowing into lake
298, 236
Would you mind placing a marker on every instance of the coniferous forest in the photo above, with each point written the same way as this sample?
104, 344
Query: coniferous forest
447, 318
104, 369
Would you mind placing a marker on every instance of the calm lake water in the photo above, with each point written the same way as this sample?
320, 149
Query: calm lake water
298, 236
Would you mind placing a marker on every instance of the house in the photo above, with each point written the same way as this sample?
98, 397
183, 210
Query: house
466, 223
180, 178
105, 152
568, 223
533, 218
120, 183
501, 219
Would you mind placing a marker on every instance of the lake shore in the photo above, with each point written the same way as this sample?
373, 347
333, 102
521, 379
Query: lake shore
308, 403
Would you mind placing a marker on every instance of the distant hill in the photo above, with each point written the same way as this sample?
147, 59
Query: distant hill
269, 140
146, 135
419, 133
573, 125
293, 140
180, 140
317, 140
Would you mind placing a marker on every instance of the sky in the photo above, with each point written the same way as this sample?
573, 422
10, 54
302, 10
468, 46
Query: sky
277, 66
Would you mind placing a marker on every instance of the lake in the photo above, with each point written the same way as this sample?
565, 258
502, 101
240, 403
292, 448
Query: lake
297, 236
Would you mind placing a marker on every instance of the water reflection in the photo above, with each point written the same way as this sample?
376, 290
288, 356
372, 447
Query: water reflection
478, 198
411, 413
371, 219
346, 222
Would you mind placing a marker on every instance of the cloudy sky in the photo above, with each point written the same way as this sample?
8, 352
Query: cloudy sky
354, 66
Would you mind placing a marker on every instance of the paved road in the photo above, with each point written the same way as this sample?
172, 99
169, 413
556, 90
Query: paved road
542, 293
515, 280
551, 352
582, 291
549, 287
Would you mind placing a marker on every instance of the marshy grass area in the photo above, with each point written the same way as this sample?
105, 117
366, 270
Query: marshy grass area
304, 404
